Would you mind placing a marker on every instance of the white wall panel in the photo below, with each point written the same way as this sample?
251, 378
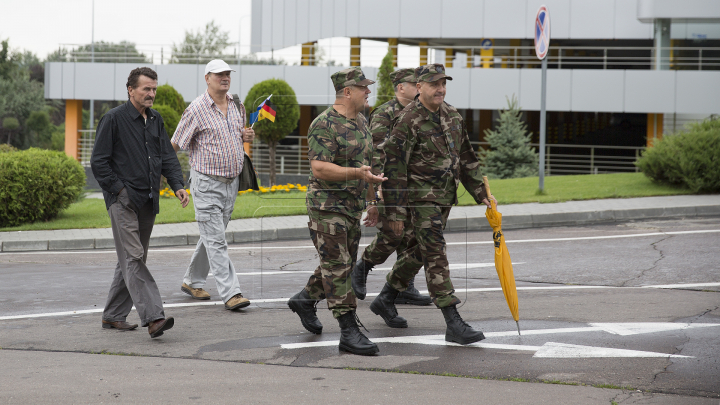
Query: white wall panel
234, 79
91, 81
458, 89
559, 89
592, 19
311, 84
529, 97
68, 80
504, 18
290, 23
54, 80
380, 19
267, 25
649, 91
489, 87
352, 16
327, 21
697, 92
314, 20
559, 18
302, 22
340, 18
253, 74
278, 21
462, 19
416, 21
598, 90
627, 25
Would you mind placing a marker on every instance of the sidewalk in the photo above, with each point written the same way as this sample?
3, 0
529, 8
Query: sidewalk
470, 218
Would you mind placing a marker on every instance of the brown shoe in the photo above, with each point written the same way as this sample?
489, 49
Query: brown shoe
156, 328
237, 302
197, 293
120, 325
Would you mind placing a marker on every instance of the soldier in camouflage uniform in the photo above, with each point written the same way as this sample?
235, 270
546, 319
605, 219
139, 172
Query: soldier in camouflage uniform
386, 242
428, 154
340, 147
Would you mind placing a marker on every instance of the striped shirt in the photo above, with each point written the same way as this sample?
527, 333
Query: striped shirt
214, 141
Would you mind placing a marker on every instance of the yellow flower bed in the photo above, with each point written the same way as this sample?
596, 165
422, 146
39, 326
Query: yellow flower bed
276, 189
168, 193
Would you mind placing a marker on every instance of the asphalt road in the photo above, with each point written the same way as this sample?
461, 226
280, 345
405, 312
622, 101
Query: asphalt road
634, 305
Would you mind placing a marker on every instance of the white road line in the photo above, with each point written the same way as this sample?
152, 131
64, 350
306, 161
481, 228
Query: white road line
284, 299
453, 266
636, 235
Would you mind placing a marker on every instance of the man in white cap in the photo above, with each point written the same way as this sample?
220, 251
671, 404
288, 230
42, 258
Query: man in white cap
212, 130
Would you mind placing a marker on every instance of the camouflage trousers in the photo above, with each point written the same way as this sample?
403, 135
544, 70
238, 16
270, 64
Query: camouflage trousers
384, 244
423, 244
336, 238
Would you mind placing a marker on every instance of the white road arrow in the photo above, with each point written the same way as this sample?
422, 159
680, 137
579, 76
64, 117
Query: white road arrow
549, 349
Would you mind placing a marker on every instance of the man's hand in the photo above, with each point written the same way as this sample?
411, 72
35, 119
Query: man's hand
379, 190
248, 135
373, 215
487, 201
397, 227
183, 196
364, 173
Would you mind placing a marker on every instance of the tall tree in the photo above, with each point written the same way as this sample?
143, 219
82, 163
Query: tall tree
385, 91
105, 52
286, 118
510, 154
202, 46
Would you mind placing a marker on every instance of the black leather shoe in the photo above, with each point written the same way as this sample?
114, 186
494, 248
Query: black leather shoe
384, 305
306, 308
359, 278
351, 339
119, 325
459, 331
412, 296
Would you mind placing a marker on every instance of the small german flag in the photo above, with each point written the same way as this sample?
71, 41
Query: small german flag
267, 111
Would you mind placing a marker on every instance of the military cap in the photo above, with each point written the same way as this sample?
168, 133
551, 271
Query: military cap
349, 77
403, 76
430, 73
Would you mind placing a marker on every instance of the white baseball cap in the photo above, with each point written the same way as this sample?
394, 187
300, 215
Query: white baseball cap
217, 66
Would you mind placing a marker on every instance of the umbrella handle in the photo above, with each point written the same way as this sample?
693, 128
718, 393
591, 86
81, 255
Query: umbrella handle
487, 186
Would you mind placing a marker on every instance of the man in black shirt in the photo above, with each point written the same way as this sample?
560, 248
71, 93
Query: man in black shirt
131, 151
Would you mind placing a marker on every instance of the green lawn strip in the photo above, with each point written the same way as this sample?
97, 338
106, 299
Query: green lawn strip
91, 213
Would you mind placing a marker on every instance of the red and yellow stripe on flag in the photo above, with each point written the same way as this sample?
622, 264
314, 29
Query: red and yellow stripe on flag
267, 111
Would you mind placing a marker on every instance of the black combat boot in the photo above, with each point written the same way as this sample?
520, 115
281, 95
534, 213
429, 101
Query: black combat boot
412, 296
359, 278
457, 330
384, 305
306, 308
351, 339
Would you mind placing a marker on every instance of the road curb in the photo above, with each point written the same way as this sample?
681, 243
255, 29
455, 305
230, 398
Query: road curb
475, 223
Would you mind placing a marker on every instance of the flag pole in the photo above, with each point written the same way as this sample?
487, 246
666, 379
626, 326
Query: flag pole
253, 124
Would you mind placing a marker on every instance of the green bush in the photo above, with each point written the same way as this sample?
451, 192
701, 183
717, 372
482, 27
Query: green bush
37, 184
167, 95
169, 116
5, 148
689, 158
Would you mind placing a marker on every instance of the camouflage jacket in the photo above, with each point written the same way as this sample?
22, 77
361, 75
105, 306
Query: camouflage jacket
344, 142
427, 156
381, 121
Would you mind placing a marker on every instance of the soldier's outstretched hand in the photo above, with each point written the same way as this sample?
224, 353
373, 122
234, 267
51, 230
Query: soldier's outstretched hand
372, 217
364, 173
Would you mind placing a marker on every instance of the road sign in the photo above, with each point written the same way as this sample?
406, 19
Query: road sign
542, 32
486, 44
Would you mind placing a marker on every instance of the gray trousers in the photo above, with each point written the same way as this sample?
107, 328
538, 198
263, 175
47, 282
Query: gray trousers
214, 202
132, 283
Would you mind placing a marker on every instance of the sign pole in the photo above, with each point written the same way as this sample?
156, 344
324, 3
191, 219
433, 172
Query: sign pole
543, 89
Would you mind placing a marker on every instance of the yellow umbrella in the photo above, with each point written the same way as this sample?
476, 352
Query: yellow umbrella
503, 265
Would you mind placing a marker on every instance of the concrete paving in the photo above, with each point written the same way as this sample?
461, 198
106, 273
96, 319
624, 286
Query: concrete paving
468, 218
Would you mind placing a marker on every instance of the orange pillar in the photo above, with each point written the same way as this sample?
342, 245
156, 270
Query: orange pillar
354, 51
393, 44
449, 56
73, 124
654, 128
423, 53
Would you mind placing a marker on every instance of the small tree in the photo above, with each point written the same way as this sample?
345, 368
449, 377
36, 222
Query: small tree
385, 90
201, 47
10, 124
171, 119
286, 118
167, 95
510, 154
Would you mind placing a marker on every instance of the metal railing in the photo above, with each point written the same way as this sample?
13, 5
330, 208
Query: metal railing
559, 57
291, 157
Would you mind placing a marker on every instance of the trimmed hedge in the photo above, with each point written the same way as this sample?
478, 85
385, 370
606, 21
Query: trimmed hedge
171, 119
688, 159
37, 184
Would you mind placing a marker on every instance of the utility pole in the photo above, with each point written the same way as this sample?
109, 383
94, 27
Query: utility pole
92, 59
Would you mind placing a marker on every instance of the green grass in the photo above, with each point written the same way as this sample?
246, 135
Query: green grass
91, 213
